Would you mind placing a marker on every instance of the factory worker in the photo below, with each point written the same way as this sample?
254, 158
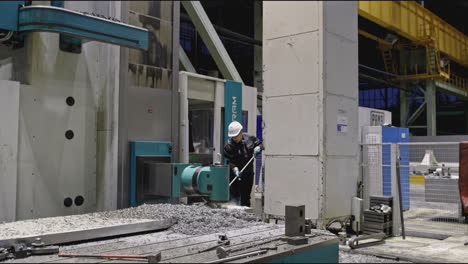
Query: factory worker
239, 150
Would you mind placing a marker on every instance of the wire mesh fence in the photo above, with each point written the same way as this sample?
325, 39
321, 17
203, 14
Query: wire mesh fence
428, 174
435, 204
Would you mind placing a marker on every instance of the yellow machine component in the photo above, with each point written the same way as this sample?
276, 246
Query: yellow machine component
408, 18
417, 179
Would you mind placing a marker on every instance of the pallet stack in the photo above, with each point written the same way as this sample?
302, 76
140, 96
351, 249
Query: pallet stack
375, 221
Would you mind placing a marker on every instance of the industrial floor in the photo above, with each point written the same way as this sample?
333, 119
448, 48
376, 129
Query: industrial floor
346, 257
438, 235
433, 218
414, 249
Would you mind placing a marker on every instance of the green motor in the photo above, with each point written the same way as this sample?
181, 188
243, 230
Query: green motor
211, 180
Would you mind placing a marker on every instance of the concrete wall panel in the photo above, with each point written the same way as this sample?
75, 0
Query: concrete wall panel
341, 182
340, 143
340, 18
341, 68
302, 177
305, 14
291, 65
60, 167
292, 125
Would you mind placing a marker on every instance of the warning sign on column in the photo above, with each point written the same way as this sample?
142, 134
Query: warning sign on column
342, 124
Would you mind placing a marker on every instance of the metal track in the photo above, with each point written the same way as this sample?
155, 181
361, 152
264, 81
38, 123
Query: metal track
91, 234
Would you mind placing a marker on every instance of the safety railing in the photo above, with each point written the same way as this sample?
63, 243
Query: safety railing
457, 81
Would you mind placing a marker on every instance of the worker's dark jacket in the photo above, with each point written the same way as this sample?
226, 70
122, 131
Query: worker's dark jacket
240, 153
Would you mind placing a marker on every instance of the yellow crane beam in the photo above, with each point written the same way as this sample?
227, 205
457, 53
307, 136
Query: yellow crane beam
373, 37
414, 22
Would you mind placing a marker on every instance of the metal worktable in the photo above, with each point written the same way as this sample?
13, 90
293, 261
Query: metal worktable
178, 248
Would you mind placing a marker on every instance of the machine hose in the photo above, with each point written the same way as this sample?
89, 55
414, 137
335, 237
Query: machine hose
6, 36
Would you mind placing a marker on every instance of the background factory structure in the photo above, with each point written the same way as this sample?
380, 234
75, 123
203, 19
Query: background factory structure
114, 117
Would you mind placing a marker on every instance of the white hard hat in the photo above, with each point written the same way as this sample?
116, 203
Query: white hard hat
234, 129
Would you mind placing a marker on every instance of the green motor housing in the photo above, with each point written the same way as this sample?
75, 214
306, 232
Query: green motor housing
211, 180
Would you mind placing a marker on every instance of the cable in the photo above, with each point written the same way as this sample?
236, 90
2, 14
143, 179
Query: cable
7, 36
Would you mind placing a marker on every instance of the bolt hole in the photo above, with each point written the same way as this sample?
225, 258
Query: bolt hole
70, 101
68, 202
69, 134
79, 200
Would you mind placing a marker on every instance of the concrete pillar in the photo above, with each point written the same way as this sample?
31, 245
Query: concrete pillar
258, 32
310, 107
431, 112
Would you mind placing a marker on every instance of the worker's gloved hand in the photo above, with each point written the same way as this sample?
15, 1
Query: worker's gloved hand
236, 171
257, 150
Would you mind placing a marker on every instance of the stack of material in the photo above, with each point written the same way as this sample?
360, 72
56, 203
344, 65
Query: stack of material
378, 219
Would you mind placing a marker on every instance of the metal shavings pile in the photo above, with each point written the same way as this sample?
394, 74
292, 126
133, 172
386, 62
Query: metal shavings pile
191, 219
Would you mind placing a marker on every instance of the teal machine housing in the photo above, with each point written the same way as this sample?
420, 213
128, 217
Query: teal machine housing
141, 152
20, 19
183, 183
154, 179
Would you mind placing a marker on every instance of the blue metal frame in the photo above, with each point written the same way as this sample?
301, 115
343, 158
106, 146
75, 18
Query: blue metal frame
396, 135
145, 149
60, 20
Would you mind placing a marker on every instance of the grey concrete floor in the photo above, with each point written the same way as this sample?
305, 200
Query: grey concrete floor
430, 217
346, 257
422, 250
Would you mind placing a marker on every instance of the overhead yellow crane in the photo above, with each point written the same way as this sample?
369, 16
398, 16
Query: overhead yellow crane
409, 19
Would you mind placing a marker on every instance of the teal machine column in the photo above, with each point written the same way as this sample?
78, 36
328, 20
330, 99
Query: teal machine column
232, 105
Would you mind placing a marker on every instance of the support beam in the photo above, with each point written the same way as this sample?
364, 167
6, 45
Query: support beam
228, 33
185, 61
211, 39
450, 89
416, 114
404, 102
403, 107
431, 112
175, 106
